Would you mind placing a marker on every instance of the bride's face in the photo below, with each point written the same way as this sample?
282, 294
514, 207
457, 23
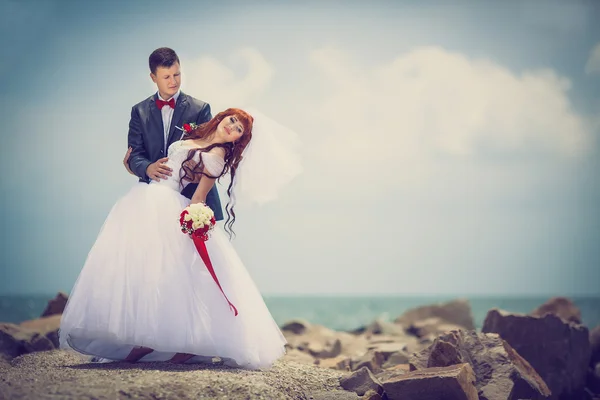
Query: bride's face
230, 129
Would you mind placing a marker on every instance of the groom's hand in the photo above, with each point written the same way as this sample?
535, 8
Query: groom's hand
157, 170
126, 161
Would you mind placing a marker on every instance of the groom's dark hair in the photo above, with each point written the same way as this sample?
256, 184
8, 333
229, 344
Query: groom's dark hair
162, 57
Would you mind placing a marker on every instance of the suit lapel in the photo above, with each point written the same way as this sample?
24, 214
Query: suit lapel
156, 121
180, 107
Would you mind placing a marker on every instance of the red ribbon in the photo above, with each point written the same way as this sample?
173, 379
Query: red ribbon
201, 247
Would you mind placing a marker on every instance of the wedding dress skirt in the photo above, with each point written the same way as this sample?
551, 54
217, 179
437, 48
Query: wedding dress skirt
144, 284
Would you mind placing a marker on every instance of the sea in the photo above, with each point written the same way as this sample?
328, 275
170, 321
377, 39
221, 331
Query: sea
341, 312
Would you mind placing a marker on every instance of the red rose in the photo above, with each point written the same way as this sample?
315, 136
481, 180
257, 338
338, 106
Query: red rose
181, 217
187, 128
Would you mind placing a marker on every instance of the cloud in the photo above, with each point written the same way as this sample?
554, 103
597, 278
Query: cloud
221, 84
417, 114
592, 66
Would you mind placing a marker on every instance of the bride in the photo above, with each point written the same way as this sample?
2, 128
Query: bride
144, 293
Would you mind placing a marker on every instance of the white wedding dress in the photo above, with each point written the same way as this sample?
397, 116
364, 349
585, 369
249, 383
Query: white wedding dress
144, 284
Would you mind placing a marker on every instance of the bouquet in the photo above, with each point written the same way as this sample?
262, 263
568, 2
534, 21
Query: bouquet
196, 220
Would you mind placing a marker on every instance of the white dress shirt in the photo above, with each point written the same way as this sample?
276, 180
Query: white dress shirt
167, 115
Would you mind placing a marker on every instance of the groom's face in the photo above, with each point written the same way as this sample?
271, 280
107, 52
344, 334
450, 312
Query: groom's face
168, 80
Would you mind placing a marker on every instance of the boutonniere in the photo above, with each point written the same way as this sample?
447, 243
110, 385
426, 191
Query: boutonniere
187, 128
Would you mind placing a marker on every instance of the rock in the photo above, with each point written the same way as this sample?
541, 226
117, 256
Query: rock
43, 325
46, 326
593, 380
38, 343
455, 382
381, 340
297, 326
56, 305
407, 343
10, 343
381, 327
15, 341
456, 312
392, 372
562, 307
372, 360
30, 336
341, 363
371, 395
387, 349
501, 373
328, 349
361, 381
322, 342
431, 327
590, 396
442, 353
558, 350
353, 346
53, 338
595, 345
397, 358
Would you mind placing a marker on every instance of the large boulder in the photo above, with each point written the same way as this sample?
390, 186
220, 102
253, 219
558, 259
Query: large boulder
595, 345
562, 307
56, 305
456, 312
45, 326
501, 373
455, 382
593, 382
558, 350
35, 335
15, 341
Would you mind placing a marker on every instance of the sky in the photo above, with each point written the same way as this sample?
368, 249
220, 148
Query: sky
446, 149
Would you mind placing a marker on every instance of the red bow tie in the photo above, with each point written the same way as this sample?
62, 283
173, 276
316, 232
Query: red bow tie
161, 103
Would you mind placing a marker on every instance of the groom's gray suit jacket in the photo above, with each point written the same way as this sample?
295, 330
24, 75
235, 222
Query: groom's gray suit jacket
146, 137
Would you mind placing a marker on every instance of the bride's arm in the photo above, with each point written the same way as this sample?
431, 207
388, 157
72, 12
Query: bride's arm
203, 188
213, 166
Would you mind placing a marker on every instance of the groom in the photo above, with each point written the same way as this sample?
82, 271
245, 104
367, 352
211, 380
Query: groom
152, 127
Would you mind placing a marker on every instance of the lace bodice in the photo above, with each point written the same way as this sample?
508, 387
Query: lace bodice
177, 153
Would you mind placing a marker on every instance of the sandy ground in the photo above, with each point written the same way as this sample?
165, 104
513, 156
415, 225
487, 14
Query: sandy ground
61, 375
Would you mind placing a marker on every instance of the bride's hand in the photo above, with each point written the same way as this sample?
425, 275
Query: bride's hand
126, 161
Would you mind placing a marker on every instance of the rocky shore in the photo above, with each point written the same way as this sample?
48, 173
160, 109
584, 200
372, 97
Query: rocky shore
431, 352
